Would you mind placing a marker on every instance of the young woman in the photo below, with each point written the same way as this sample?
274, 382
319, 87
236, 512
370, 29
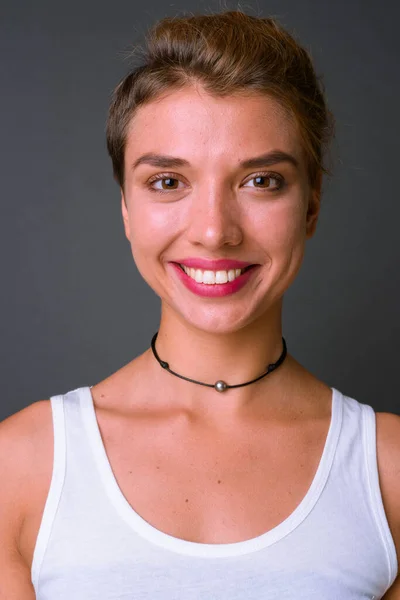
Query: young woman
213, 465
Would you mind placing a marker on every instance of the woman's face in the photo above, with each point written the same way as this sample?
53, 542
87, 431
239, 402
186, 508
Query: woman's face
201, 201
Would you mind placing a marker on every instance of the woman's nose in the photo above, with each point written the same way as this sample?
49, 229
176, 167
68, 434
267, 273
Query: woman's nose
214, 219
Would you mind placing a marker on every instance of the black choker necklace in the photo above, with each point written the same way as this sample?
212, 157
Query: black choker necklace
220, 386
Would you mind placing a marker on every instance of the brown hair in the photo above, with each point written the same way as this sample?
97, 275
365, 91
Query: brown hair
229, 52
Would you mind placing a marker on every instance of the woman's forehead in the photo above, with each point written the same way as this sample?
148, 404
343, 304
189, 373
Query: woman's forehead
194, 119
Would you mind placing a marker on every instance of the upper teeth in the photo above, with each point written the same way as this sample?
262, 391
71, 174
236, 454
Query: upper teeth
212, 276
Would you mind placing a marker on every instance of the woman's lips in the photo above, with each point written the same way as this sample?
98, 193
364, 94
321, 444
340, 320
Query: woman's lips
214, 290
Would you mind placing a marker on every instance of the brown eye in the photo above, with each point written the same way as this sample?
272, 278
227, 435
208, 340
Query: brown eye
267, 181
262, 180
166, 183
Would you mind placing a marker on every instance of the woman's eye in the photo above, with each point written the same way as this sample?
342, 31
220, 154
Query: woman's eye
267, 181
165, 183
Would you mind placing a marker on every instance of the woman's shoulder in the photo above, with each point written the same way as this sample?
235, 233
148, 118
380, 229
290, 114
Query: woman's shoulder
26, 450
24, 434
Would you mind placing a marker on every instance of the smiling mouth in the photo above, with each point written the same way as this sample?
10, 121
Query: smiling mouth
209, 277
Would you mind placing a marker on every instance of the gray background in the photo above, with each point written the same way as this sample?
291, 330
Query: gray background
73, 306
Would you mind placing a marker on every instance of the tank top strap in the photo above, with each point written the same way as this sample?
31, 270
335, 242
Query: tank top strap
56, 485
71, 454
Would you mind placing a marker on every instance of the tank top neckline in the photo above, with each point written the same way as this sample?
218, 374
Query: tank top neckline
142, 527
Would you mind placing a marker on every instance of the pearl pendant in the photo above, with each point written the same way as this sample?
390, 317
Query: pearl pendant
220, 386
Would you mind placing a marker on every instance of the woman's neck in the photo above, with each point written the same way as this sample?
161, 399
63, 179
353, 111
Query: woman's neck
235, 357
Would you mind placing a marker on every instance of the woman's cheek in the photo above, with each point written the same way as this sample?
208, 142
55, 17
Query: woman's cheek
152, 232
283, 226
155, 223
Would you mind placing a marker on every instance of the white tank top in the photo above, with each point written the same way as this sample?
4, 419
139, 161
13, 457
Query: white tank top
92, 545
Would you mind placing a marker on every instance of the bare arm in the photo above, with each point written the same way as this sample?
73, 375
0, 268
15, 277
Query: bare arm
15, 581
388, 455
394, 592
22, 439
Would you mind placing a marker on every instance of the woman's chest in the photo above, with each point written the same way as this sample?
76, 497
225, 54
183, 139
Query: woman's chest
216, 489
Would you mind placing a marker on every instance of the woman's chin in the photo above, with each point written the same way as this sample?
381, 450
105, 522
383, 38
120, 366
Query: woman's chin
216, 322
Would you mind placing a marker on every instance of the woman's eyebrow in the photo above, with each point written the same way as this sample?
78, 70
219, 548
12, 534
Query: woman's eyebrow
164, 161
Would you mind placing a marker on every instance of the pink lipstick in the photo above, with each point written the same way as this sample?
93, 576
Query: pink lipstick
222, 264
214, 290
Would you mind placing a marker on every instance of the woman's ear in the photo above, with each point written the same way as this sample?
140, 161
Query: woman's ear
125, 216
314, 206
